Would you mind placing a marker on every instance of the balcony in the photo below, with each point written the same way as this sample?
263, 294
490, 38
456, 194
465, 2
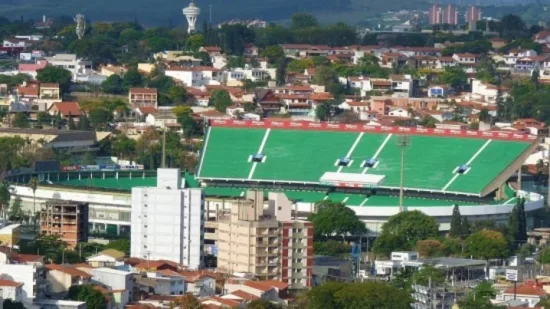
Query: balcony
298, 235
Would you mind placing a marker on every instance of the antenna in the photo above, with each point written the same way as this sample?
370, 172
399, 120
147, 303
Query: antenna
403, 141
80, 25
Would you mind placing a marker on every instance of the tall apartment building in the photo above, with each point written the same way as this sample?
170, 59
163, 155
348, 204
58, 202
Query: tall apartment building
67, 219
167, 221
473, 14
443, 15
265, 241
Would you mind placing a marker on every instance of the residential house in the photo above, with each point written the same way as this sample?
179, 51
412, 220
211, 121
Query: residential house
528, 64
359, 107
234, 77
268, 101
67, 110
49, 91
513, 55
446, 62
466, 58
29, 91
305, 50
115, 280
199, 283
429, 62
177, 56
211, 50
26, 269
62, 277
529, 292
399, 112
438, 91
262, 289
10, 289
15, 42
195, 76
420, 51
162, 282
32, 68
163, 119
497, 43
77, 66
219, 302
542, 37
251, 50
485, 92
106, 258
60, 304
402, 85
390, 60
110, 69
198, 96
143, 97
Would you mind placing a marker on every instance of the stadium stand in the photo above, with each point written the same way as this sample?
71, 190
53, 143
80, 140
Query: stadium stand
302, 156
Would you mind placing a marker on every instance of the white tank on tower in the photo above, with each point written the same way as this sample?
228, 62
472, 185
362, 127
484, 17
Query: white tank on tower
191, 13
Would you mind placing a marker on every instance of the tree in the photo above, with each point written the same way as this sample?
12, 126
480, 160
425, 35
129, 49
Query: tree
221, 100
195, 42
479, 298
84, 123
487, 244
94, 299
20, 120
303, 20
100, 118
386, 243
71, 125
456, 223
325, 76
122, 245
16, 212
331, 248
543, 256
189, 125
10, 304
430, 248
411, 226
511, 27
188, 301
51, 74
132, 78
113, 85
333, 218
177, 94
5, 196
88, 158
465, 227
522, 235
273, 53
454, 76
123, 146
262, 304
372, 295
513, 227
427, 274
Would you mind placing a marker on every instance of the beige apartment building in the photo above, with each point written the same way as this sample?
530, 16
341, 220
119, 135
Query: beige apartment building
262, 239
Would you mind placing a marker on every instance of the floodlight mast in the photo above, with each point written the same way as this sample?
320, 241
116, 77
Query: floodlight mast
403, 141
191, 13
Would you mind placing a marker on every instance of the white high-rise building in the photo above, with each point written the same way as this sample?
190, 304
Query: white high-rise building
191, 13
168, 221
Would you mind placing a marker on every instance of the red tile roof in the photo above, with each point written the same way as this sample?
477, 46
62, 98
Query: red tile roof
226, 302
525, 289
147, 110
68, 108
68, 269
144, 90
244, 295
28, 91
276, 283
258, 285
10, 283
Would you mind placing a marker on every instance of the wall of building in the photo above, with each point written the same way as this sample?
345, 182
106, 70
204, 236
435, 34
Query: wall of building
25, 274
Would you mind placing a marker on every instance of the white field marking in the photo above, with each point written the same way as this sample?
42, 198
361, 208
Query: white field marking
336, 162
262, 145
508, 201
348, 155
242, 193
468, 163
326, 198
364, 202
250, 158
456, 169
204, 149
345, 200
379, 151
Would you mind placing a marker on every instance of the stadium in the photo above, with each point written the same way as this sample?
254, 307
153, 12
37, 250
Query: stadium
357, 165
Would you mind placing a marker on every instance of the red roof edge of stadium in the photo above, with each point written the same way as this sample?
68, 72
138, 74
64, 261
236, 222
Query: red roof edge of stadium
324, 126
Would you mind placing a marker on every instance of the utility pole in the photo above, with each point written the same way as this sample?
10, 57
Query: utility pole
163, 148
403, 141
548, 183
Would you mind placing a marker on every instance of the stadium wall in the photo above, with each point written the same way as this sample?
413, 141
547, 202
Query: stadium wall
327, 126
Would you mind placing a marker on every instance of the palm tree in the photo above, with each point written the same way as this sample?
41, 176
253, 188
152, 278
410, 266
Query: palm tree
33, 184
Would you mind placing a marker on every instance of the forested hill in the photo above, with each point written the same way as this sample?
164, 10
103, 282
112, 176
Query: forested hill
164, 12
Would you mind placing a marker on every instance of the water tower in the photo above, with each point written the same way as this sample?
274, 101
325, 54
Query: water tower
191, 13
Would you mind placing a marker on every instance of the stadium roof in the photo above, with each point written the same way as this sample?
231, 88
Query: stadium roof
299, 153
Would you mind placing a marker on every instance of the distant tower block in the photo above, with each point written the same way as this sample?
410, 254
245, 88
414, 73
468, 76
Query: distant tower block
191, 13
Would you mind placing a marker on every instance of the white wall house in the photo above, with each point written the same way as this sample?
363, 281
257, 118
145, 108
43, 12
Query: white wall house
485, 93
70, 62
513, 55
195, 76
168, 221
10, 289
